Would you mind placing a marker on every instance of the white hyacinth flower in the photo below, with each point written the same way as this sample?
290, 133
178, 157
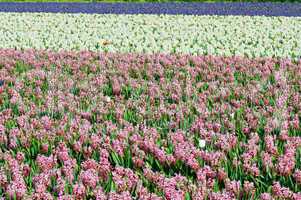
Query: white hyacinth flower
202, 143
146, 33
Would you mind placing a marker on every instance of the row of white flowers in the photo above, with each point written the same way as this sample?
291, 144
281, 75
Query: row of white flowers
216, 35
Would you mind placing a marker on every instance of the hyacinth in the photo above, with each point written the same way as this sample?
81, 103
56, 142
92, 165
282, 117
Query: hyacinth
251, 36
87, 125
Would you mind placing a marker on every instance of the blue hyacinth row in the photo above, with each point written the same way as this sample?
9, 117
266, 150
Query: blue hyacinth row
250, 9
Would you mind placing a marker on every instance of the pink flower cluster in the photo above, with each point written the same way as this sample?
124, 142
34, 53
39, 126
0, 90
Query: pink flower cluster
106, 126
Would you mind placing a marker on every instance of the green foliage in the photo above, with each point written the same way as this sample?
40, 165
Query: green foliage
124, 161
20, 68
131, 116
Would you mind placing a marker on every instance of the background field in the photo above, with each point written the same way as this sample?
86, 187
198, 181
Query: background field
150, 101
88, 1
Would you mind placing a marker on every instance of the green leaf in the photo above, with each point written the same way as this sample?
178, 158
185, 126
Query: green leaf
187, 196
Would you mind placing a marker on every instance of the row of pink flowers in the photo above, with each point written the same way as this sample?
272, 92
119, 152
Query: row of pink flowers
221, 125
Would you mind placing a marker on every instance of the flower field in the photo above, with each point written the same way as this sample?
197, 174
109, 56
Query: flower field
199, 35
149, 107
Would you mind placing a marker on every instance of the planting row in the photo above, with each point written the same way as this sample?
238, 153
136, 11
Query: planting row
82, 125
266, 9
198, 35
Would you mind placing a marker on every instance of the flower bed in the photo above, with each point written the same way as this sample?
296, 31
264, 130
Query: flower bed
213, 35
149, 107
138, 126
180, 7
